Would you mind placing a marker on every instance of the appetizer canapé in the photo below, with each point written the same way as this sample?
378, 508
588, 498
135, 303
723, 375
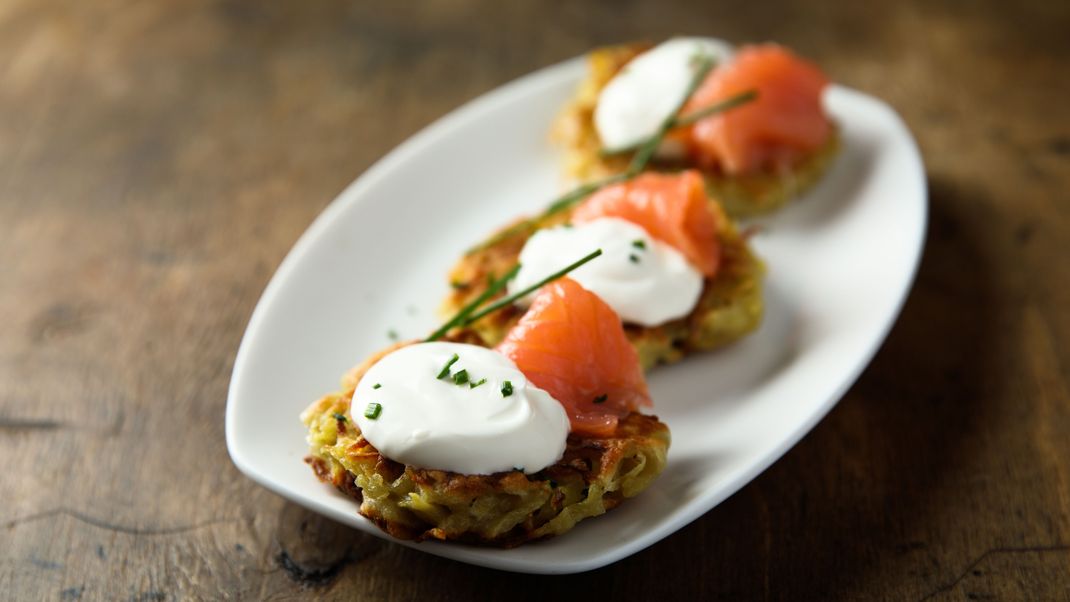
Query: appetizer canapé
674, 267
454, 441
754, 158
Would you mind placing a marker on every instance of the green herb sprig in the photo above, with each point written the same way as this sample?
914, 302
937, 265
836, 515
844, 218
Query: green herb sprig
464, 316
680, 121
645, 148
463, 313
493, 307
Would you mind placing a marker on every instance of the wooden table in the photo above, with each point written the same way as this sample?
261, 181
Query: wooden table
158, 159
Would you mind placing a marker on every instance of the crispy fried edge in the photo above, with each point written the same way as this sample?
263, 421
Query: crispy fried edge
598, 461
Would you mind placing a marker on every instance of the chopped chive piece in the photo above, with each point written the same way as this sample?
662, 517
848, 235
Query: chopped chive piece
481, 381
392, 334
373, 410
519, 294
507, 389
376, 385
446, 369
458, 285
461, 377
634, 258
601, 398
338, 416
639, 243
567, 225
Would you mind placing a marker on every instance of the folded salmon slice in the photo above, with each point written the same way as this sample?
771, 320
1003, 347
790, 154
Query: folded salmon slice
572, 345
672, 208
784, 124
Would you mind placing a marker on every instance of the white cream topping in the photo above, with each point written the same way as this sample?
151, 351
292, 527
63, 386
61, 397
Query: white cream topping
649, 88
435, 423
644, 280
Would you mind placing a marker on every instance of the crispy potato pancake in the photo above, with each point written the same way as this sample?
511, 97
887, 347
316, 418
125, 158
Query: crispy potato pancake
741, 195
730, 305
503, 509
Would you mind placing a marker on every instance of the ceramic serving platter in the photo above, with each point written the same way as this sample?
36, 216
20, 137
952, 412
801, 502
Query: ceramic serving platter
841, 261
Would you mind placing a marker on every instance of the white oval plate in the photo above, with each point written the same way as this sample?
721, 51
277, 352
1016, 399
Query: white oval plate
840, 263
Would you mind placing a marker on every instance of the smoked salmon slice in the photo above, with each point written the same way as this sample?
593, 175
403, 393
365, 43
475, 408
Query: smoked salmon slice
672, 208
572, 345
786, 123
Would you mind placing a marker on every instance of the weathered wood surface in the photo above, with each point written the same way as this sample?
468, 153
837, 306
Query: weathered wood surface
158, 159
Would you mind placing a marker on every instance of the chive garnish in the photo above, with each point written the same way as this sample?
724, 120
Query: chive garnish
718, 107
639, 243
680, 121
646, 148
481, 381
519, 294
376, 385
392, 334
446, 369
633, 257
461, 377
463, 313
601, 398
507, 389
582, 192
373, 410
338, 416
562, 203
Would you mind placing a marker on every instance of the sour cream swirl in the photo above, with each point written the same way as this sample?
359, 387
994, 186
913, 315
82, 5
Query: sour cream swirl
644, 280
449, 424
649, 88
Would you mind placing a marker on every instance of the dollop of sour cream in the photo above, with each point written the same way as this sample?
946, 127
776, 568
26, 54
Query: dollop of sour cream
649, 88
644, 280
449, 424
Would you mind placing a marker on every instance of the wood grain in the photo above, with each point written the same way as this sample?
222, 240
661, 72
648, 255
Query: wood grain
158, 159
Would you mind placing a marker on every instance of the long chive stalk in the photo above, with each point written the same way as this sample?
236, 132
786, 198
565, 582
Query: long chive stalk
517, 295
646, 149
562, 203
463, 313
718, 107
729, 103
